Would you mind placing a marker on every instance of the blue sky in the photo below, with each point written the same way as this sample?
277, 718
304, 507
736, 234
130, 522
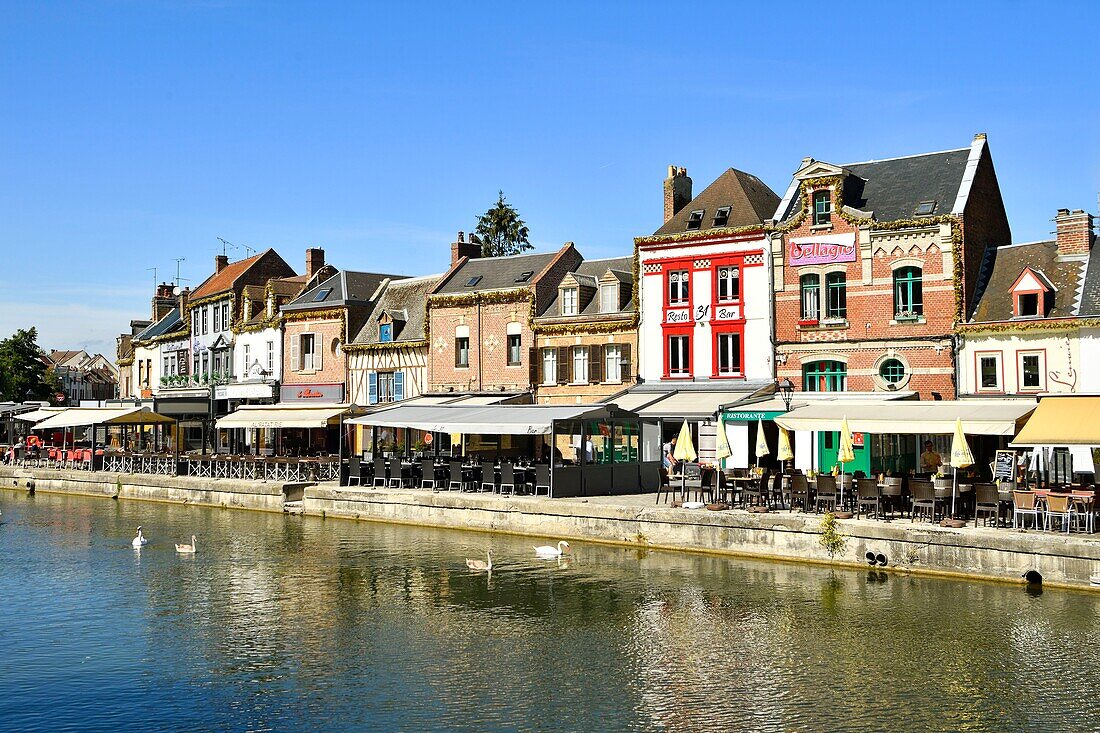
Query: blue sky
138, 132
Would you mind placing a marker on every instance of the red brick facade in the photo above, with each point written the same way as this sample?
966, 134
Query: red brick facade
486, 326
328, 337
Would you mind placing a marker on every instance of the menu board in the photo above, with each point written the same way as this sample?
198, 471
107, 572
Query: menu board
1004, 466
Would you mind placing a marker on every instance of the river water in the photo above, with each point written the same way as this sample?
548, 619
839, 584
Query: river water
302, 624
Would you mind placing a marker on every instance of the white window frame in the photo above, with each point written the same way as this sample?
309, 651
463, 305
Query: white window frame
271, 358
308, 357
609, 297
386, 381
569, 297
549, 366
613, 363
580, 365
1041, 356
996, 356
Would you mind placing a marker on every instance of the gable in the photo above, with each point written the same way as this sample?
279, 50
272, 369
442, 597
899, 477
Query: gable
1030, 282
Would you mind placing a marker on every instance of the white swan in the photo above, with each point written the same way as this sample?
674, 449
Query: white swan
187, 549
480, 565
140, 540
551, 552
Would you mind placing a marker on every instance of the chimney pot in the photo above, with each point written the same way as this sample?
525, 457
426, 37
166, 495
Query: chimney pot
461, 248
220, 263
315, 260
1073, 232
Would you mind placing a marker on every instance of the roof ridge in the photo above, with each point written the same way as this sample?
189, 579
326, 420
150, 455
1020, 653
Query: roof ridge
901, 157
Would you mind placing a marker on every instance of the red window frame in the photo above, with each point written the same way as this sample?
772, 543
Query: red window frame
678, 331
716, 332
684, 267
736, 263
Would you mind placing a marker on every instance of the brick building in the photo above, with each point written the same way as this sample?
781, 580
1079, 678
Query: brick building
874, 265
587, 337
316, 326
480, 318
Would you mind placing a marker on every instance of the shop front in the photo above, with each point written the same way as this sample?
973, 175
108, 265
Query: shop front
312, 393
194, 412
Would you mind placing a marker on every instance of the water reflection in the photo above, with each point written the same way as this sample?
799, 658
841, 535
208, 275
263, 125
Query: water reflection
304, 624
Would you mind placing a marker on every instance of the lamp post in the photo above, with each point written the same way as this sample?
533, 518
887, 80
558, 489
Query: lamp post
785, 387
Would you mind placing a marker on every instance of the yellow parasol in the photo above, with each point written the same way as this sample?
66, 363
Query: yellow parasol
845, 453
684, 450
722, 444
785, 453
456, 439
761, 441
961, 457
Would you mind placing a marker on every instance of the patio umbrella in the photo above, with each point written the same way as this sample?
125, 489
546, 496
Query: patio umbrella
845, 453
961, 457
684, 451
784, 453
722, 445
761, 442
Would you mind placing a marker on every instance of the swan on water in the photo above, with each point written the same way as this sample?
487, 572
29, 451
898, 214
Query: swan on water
187, 549
481, 564
551, 552
140, 540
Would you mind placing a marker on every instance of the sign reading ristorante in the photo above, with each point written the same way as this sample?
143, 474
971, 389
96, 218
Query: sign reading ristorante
825, 249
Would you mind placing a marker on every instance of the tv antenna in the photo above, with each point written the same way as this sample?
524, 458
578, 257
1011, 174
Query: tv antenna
226, 245
178, 278
147, 269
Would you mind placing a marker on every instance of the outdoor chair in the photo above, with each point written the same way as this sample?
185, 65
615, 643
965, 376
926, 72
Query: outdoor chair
893, 495
1086, 508
380, 472
777, 496
396, 479
1025, 504
1060, 507
668, 488
427, 474
756, 493
800, 492
986, 502
868, 495
507, 478
925, 499
488, 479
542, 478
825, 493
455, 479
706, 492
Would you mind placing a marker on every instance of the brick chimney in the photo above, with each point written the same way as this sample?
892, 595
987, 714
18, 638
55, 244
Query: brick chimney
163, 301
461, 248
677, 191
220, 263
1074, 231
182, 301
315, 260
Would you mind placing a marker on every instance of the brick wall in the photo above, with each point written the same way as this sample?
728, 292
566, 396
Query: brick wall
985, 224
929, 365
333, 365
488, 368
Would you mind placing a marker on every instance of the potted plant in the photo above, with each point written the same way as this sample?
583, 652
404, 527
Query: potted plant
906, 315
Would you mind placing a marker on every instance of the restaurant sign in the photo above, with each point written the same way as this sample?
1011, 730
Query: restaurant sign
825, 249
750, 415
311, 393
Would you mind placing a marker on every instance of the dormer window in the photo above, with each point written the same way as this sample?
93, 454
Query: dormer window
385, 333
823, 208
1032, 295
695, 219
609, 298
925, 208
722, 216
569, 301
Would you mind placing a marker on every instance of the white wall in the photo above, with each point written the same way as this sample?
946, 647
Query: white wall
257, 347
1061, 356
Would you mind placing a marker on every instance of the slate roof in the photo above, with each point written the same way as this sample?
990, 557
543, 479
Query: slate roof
750, 199
1003, 265
1090, 292
497, 273
344, 288
170, 322
405, 299
892, 189
621, 267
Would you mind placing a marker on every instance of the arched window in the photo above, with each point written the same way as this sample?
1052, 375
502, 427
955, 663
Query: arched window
825, 376
908, 297
892, 371
811, 297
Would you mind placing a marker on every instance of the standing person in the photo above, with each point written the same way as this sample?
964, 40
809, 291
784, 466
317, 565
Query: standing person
668, 459
930, 460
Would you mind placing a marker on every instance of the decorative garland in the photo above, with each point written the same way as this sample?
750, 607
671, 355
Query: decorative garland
1015, 326
493, 297
384, 347
694, 234
125, 362
581, 329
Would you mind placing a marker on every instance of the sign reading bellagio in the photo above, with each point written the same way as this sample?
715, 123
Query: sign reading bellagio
825, 249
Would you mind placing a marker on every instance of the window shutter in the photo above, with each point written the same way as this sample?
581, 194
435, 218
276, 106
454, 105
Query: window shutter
372, 388
458, 360
624, 362
534, 368
318, 350
565, 365
595, 364
295, 353
398, 386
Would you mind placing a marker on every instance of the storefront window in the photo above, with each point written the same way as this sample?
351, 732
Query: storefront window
626, 442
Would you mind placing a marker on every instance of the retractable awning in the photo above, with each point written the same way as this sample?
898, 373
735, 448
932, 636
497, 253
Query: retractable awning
682, 403
79, 416
908, 417
281, 415
487, 420
1062, 421
39, 415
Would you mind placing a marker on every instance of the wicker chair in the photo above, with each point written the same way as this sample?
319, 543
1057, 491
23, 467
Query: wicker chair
868, 495
825, 493
986, 502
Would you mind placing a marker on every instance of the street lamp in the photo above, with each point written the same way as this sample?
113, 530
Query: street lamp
785, 387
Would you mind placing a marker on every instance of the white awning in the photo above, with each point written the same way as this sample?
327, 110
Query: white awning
282, 415
485, 420
910, 417
691, 405
79, 416
40, 414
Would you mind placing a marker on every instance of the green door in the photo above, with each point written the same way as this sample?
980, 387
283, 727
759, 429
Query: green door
829, 443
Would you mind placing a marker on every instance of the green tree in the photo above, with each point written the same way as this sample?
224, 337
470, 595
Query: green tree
23, 371
501, 231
